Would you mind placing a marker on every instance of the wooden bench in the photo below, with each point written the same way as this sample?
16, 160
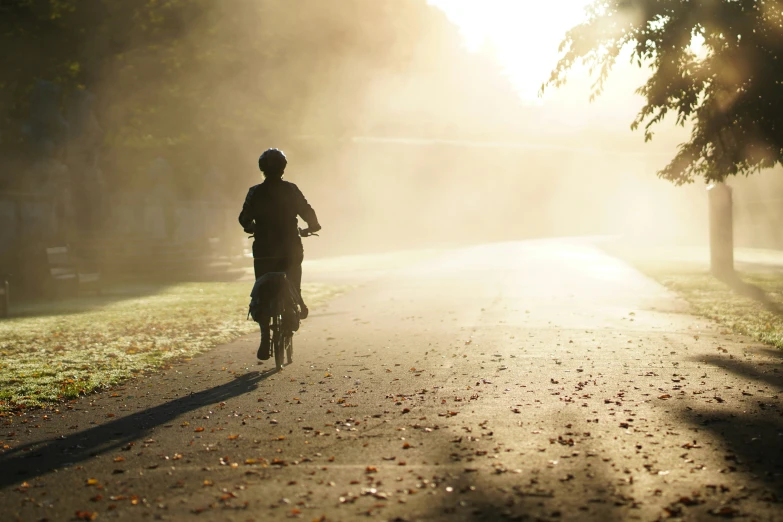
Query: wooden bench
69, 278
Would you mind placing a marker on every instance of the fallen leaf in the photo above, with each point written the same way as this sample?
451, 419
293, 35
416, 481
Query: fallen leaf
725, 511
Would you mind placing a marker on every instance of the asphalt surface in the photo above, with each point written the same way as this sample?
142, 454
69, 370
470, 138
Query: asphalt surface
519, 381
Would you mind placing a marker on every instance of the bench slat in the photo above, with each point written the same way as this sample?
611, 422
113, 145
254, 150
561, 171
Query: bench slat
62, 268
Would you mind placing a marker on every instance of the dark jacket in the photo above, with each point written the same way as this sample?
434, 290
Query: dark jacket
270, 213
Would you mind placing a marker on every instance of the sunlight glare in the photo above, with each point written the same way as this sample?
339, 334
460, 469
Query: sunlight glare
523, 34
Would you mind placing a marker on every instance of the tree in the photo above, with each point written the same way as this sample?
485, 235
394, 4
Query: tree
205, 83
716, 64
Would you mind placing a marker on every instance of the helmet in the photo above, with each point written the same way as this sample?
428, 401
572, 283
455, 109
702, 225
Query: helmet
272, 161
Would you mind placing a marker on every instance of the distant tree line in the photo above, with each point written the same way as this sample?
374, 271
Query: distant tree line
201, 82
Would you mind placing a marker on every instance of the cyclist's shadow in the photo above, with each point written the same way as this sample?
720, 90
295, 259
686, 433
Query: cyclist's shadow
38, 458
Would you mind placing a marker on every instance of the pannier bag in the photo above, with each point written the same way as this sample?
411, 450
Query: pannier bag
270, 291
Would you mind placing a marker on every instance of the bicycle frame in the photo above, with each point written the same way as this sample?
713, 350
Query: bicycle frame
282, 344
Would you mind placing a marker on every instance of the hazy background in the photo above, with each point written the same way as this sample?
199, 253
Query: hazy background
407, 124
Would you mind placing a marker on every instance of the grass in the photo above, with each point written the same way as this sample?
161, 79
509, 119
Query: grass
710, 297
713, 298
62, 349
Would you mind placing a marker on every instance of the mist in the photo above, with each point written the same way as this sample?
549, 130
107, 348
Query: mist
398, 134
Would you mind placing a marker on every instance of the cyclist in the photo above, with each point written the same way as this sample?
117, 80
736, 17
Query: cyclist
270, 214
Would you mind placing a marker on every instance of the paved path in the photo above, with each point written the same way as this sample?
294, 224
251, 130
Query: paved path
520, 381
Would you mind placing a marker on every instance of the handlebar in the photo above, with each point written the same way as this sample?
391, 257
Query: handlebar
303, 232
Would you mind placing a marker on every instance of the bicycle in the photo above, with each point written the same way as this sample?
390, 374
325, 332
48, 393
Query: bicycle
282, 337
279, 310
274, 306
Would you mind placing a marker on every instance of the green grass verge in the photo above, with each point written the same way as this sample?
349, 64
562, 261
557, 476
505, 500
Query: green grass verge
713, 298
62, 349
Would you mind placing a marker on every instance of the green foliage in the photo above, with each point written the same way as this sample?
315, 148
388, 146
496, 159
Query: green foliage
731, 93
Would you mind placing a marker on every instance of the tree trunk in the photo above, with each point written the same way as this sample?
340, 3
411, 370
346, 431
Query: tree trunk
721, 230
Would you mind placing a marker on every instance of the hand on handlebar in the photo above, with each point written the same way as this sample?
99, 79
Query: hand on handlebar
306, 232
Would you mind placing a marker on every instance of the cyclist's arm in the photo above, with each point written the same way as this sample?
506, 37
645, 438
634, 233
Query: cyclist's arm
246, 216
306, 212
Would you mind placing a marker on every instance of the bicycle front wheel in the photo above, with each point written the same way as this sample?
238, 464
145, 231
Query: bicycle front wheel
289, 349
278, 341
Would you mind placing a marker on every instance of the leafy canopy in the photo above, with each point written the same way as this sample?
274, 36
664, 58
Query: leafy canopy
210, 83
716, 64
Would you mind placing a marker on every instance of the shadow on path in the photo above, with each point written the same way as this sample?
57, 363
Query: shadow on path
769, 373
755, 437
756, 293
578, 489
38, 458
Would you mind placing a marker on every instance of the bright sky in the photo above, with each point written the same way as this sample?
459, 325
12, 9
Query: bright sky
525, 34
